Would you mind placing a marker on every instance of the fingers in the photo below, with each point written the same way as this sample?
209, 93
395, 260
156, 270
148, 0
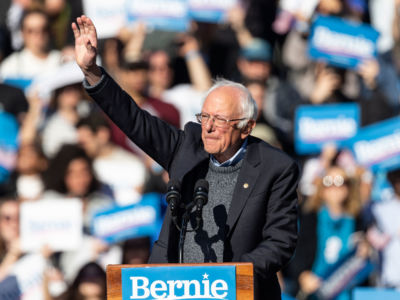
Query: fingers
85, 30
75, 30
85, 25
79, 20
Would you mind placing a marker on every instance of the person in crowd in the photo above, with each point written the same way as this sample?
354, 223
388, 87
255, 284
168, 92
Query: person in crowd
136, 251
121, 170
36, 57
134, 79
263, 129
386, 219
26, 180
186, 97
60, 127
264, 230
329, 84
88, 284
70, 175
255, 63
13, 101
328, 226
10, 250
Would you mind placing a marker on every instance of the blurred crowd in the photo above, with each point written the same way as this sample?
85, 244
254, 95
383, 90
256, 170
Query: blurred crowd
55, 143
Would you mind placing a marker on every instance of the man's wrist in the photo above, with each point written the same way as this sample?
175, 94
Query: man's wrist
92, 74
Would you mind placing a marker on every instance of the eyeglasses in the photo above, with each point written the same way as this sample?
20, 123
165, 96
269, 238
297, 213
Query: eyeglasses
337, 181
218, 121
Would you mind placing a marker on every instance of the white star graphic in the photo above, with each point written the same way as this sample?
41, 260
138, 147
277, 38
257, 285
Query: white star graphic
205, 276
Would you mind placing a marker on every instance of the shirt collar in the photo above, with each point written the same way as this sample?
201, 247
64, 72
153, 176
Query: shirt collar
234, 159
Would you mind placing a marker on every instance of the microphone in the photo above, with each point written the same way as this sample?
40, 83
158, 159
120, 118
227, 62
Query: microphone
173, 198
200, 198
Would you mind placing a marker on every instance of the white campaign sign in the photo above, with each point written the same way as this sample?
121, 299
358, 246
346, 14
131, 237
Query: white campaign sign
53, 222
108, 16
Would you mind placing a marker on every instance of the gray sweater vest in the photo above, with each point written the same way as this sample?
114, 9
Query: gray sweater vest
206, 244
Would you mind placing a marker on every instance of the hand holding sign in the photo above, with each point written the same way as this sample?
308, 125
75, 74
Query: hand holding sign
309, 282
369, 70
326, 83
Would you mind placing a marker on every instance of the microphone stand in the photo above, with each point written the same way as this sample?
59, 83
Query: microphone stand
200, 199
183, 230
182, 234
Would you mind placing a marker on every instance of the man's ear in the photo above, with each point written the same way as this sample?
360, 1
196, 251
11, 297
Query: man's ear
246, 130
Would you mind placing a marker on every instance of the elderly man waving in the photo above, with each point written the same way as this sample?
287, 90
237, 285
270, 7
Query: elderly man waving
251, 214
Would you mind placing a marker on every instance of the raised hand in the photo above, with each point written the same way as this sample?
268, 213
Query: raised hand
86, 48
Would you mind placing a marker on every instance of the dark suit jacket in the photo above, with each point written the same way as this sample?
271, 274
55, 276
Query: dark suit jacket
262, 221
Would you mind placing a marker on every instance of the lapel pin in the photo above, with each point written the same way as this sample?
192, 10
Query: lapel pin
246, 185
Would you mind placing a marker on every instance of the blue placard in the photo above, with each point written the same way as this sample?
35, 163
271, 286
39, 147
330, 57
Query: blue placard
211, 11
364, 293
342, 43
378, 146
168, 15
8, 144
21, 83
347, 273
316, 126
119, 223
185, 282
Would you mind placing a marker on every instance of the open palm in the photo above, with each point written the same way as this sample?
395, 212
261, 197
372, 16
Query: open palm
85, 42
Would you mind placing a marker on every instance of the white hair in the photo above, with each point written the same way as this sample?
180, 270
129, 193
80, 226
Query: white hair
249, 106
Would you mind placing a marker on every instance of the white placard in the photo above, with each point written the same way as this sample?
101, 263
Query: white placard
108, 16
53, 222
29, 271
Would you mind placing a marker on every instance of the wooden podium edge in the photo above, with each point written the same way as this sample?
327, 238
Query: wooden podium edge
244, 278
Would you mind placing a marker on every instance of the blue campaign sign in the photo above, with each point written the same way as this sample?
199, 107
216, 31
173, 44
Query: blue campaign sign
342, 43
378, 146
349, 272
168, 15
211, 11
316, 126
185, 282
363, 293
119, 223
8, 144
22, 83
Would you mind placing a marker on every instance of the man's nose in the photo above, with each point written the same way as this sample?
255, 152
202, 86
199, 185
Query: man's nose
210, 124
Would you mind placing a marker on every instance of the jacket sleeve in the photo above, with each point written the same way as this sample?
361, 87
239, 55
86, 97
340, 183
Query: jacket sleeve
279, 233
306, 248
154, 136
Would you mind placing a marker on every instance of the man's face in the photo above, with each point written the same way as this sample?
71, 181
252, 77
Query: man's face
257, 70
88, 141
160, 74
223, 142
35, 32
134, 80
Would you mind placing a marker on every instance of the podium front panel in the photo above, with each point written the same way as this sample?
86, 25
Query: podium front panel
244, 280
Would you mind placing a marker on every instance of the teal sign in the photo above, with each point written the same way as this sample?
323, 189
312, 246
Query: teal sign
185, 282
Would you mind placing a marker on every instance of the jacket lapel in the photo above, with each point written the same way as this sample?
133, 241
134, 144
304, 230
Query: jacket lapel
245, 183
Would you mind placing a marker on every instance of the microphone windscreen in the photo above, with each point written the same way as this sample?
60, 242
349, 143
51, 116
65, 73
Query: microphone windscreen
201, 183
173, 184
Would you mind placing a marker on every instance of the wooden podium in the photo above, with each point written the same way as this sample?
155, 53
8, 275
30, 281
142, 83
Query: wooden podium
244, 278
